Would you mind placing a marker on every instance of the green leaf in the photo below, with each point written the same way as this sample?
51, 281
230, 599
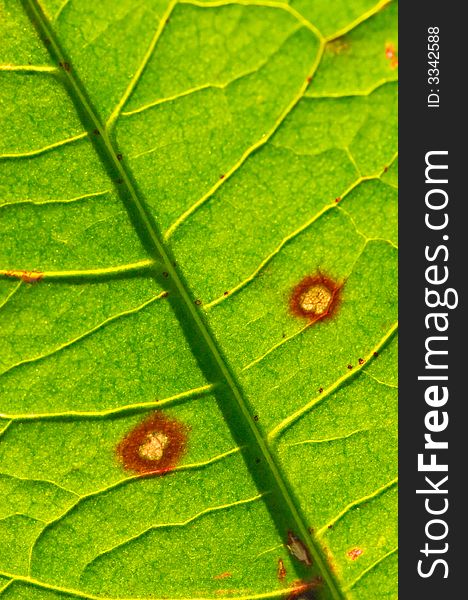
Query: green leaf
169, 173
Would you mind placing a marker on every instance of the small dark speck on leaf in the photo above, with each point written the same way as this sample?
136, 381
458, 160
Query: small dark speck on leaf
119, 157
320, 390
255, 417
65, 66
361, 361
225, 293
338, 199
376, 354
350, 367
385, 169
165, 274
309, 79
164, 294
198, 302
96, 132
222, 176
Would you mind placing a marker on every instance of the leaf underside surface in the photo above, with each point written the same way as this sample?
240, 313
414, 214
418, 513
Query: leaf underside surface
169, 172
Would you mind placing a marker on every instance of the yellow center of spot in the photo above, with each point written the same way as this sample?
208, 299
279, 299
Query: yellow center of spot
153, 446
316, 299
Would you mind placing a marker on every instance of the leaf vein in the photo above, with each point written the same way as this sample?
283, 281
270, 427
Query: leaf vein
48, 148
188, 521
379, 491
247, 153
371, 567
98, 414
277, 431
84, 335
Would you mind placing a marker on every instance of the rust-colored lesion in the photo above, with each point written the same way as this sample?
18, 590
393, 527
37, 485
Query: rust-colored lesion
154, 446
281, 570
305, 590
22, 275
225, 575
354, 553
315, 297
391, 55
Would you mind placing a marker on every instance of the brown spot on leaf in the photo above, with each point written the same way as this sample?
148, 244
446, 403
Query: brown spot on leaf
354, 553
25, 276
391, 55
315, 297
361, 361
223, 575
305, 590
154, 446
281, 571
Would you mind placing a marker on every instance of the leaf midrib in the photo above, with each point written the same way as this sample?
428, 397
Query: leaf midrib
85, 108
